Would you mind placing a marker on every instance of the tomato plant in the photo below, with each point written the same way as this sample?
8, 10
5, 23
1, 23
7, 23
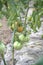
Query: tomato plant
15, 11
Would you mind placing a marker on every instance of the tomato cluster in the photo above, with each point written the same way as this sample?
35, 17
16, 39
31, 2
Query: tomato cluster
20, 41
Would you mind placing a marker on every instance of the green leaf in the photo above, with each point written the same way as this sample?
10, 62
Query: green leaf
39, 24
34, 28
39, 61
1, 5
1, 15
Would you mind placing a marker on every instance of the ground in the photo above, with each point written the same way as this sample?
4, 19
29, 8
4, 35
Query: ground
5, 32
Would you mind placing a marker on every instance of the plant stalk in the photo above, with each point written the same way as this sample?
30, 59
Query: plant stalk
25, 24
3, 59
13, 47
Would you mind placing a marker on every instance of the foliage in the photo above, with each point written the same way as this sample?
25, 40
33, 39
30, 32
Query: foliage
13, 9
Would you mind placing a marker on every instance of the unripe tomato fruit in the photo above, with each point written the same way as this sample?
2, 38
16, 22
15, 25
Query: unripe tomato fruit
2, 48
17, 33
17, 45
12, 26
20, 29
21, 37
16, 23
26, 38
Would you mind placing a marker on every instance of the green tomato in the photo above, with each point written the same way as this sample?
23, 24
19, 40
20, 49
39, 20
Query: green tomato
17, 45
12, 26
26, 38
17, 33
21, 37
2, 48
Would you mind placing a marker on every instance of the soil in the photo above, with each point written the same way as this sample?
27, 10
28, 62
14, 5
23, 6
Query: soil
5, 32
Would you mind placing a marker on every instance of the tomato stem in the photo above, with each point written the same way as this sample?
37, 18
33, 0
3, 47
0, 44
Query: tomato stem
12, 46
3, 59
26, 20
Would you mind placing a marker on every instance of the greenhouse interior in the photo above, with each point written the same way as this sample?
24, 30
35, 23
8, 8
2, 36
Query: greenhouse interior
21, 32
